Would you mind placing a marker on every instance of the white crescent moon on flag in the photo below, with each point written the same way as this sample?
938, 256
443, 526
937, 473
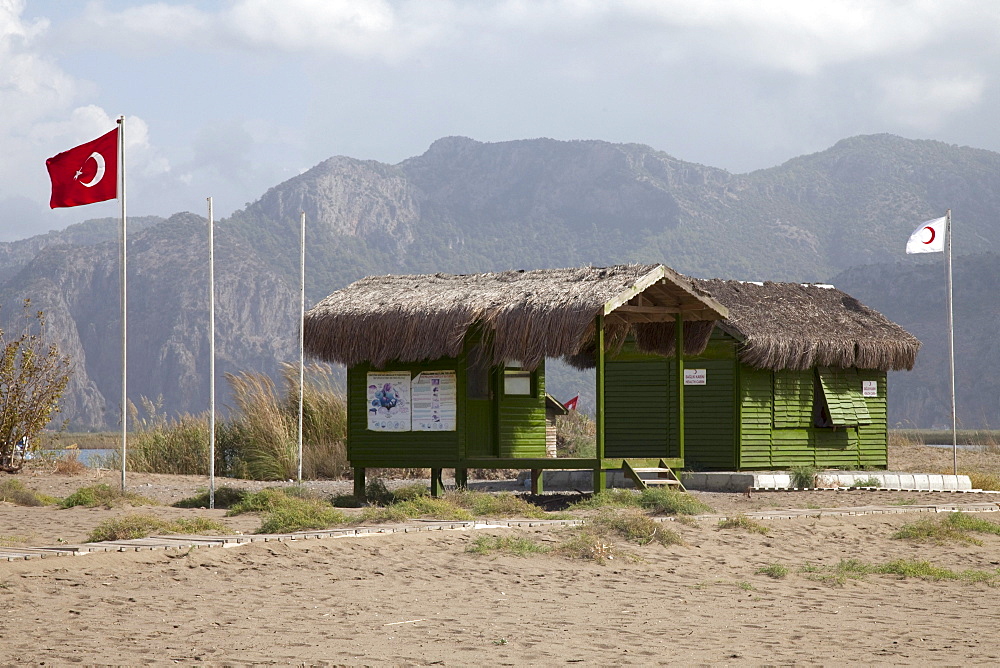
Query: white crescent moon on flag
99, 159
929, 228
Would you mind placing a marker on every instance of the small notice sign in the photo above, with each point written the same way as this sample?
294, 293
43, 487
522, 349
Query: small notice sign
695, 377
869, 388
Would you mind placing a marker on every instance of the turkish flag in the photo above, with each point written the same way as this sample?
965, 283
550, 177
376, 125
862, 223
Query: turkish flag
571, 404
85, 174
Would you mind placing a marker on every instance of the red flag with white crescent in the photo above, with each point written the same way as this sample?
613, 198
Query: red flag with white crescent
85, 174
571, 404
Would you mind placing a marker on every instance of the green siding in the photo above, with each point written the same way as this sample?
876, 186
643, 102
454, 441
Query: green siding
873, 439
842, 389
522, 422
709, 415
399, 449
793, 398
637, 408
756, 410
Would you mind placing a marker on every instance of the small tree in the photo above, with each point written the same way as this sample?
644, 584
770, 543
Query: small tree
33, 377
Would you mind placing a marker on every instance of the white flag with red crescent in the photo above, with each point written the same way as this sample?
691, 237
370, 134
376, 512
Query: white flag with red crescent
928, 238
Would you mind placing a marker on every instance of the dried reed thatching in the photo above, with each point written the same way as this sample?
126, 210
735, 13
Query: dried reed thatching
794, 326
524, 315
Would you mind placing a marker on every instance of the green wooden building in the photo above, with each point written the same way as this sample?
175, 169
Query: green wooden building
794, 375
448, 371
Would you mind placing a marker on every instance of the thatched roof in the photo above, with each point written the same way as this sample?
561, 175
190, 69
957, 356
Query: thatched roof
524, 315
794, 326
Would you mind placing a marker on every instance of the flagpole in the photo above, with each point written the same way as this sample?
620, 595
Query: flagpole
302, 314
211, 356
951, 344
124, 292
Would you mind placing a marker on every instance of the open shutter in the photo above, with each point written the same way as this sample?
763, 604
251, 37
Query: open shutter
842, 393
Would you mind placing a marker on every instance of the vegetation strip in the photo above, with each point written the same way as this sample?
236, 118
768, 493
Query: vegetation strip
181, 541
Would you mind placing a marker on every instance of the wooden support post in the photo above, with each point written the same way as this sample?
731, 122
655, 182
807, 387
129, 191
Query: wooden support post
536, 481
679, 355
359, 483
600, 476
461, 478
437, 486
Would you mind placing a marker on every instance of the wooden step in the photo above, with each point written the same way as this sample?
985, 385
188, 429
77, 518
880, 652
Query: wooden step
658, 482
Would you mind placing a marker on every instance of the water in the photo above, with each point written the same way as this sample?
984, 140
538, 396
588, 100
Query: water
87, 456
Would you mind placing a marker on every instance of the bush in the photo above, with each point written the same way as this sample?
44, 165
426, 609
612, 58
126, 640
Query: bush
14, 491
302, 515
482, 504
576, 435
225, 497
871, 481
745, 523
803, 477
517, 546
634, 526
130, 527
666, 501
104, 495
423, 507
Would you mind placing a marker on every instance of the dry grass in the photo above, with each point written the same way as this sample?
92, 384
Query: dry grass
908, 454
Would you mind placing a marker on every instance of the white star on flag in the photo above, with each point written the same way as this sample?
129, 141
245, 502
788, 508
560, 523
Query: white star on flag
928, 238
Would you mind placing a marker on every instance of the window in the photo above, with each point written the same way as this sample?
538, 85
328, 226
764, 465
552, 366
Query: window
516, 381
838, 400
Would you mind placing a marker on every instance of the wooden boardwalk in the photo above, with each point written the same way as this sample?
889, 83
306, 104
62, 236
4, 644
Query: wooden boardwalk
183, 542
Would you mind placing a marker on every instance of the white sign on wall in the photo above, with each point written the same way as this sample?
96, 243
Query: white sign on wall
389, 401
695, 377
869, 388
434, 395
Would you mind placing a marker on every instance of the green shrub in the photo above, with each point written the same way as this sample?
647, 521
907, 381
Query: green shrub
302, 515
609, 498
482, 504
422, 507
265, 501
136, 525
576, 435
14, 491
803, 477
776, 571
953, 527
225, 497
159, 444
104, 495
635, 527
666, 501
517, 546
586, 544
745, 523
871, 481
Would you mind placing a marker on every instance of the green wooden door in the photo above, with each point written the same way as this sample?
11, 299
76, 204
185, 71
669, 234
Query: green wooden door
480, 427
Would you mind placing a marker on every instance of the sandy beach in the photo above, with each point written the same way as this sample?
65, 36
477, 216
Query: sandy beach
422, 599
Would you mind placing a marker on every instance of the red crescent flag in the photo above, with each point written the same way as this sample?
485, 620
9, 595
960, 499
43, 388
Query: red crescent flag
85, 174
571, 404
928, 238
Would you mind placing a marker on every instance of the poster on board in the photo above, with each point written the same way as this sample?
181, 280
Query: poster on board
434, 396
389, 401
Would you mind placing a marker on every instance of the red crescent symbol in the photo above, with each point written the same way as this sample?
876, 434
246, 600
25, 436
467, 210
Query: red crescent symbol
933, 234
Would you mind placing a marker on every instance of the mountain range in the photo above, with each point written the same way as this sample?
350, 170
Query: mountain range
842, 215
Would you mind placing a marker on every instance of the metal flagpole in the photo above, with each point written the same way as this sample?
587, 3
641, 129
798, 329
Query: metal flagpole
302, 313
211, 356
124, 291
951, 343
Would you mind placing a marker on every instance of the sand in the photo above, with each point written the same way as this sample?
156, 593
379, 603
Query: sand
421, 599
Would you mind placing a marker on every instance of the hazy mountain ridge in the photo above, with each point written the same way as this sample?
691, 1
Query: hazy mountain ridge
466, 206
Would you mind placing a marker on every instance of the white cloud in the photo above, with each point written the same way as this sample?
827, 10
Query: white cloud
924, 103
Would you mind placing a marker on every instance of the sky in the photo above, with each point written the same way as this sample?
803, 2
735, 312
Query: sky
229, 98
